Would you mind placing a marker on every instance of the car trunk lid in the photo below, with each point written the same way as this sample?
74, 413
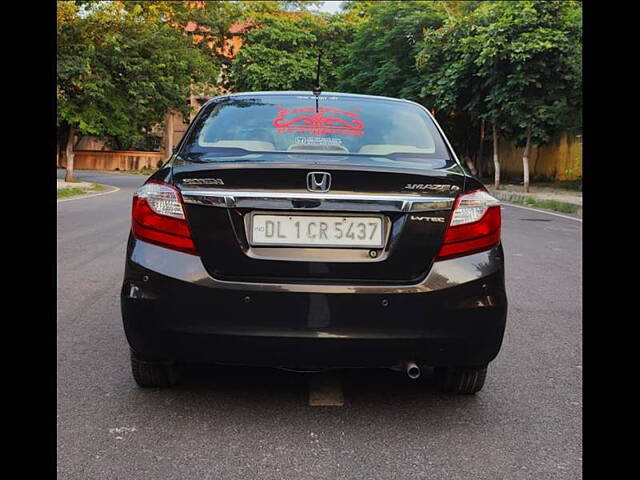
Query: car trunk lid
414, 202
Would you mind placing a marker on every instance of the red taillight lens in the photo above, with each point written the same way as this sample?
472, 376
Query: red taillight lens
158, 217
474, 226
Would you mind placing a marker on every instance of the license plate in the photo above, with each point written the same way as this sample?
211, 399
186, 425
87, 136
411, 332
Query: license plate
317, 231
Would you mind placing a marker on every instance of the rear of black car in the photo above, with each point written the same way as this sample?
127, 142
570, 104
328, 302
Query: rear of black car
309, 232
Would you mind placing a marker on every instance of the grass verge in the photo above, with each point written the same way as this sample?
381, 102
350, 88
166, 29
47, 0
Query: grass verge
142, 171
72, 192
571, 185
548, 204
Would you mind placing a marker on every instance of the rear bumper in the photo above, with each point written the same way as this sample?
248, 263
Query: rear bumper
173, 310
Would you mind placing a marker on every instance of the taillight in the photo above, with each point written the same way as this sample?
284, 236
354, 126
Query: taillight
474, 225
158, 217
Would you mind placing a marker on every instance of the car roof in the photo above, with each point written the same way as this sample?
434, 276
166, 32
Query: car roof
310, 93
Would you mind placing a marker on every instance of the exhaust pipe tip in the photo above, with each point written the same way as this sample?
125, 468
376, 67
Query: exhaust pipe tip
413, 370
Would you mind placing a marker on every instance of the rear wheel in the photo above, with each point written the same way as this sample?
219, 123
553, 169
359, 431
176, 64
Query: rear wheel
463, 380
150, 374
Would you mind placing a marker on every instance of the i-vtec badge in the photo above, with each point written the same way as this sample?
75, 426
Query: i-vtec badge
203, 181
431, 186
428, 219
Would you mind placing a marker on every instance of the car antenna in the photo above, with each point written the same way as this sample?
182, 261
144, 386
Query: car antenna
317, 90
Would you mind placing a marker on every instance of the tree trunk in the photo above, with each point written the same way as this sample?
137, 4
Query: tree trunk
480, 162
69, 151
496, 161
169, 134
57, 152
63, 155
470, 165
525, 160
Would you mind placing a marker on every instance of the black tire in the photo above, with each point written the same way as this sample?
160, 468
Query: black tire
153, 374
462, 380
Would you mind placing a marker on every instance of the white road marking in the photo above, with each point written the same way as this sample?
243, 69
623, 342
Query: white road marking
542, 211
325, 390
89, 196
120, 432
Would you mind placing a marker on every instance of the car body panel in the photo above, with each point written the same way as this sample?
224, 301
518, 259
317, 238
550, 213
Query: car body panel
177, 310
245, 304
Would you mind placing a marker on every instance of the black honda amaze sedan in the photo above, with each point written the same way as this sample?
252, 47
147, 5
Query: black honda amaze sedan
312, 231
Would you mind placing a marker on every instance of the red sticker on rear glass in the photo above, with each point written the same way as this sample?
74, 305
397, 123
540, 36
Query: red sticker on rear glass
325, 121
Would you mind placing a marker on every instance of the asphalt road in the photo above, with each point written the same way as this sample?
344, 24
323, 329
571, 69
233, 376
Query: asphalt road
223, 423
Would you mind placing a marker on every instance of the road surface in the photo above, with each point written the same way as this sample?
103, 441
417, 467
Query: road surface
224, 423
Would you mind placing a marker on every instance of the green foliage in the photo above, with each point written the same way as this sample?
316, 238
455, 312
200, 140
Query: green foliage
447, 67
530, 52
516, 62
122, 64
120, 70
281, 52
446, 76
213, 20
381, 58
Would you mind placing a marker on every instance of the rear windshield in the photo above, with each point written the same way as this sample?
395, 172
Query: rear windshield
342, 126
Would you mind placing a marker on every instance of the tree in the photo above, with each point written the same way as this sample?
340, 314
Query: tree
381, 57
514, 64
281, 52
528, 52
450, 84
208, 25
120, 67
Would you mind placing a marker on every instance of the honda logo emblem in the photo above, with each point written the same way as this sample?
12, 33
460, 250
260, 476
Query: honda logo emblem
318, 181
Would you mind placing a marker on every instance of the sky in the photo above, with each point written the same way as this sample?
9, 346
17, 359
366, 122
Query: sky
330, 7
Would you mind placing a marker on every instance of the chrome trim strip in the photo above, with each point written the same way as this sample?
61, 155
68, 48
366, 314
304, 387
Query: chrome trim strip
319, 196
327, 201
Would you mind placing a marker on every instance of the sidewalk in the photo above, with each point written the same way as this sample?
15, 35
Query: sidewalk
558, 199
